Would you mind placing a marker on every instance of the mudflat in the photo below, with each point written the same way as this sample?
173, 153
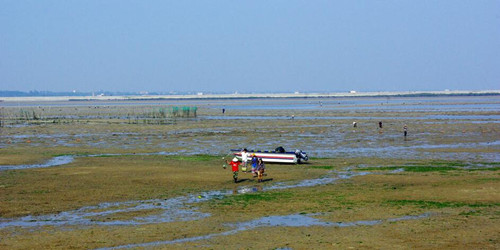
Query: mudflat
112, 176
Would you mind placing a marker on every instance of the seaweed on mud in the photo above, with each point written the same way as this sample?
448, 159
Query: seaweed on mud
323, 167
251, 198
436, 166
200, 157
426, 204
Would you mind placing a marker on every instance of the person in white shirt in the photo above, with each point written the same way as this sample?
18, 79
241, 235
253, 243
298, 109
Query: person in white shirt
244, 159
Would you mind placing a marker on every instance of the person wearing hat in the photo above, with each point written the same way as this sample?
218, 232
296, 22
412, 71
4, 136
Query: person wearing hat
235, 164
254, 165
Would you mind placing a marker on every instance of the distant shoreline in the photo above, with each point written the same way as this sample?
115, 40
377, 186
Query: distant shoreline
248, 96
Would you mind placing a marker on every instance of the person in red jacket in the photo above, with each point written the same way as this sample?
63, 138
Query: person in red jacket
235, 165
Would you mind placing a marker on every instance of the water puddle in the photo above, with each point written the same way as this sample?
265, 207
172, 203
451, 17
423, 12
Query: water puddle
169, 210
56, 161
180, 209
293, 220
488, 118
66, 159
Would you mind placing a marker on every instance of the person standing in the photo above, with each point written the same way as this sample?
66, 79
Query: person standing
254, 165
235, 164
405, 130
260, 169
244, 159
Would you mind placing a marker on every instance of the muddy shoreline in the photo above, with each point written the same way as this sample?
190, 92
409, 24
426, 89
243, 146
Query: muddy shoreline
108, 176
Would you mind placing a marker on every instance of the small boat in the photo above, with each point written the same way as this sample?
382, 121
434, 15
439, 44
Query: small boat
279, 155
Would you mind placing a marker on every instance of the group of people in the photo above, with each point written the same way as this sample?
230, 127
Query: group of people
405, 127
257, 166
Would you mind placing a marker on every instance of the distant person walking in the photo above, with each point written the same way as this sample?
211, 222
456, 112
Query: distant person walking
223, 110
354, 124
380, 124
405, 130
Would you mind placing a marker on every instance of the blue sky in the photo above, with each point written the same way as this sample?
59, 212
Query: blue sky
249, 46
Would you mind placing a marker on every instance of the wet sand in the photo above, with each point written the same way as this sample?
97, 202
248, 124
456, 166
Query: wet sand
103, 176
437, 128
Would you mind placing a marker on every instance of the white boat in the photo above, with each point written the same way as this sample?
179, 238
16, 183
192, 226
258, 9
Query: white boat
279, 155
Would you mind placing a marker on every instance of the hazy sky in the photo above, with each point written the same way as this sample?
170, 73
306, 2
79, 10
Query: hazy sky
249, 46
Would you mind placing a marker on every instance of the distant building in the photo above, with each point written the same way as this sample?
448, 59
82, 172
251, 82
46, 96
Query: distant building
352, 92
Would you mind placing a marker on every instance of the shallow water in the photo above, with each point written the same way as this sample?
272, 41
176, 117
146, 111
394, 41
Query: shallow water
371, 146
425, 104
489, 118
56, 161
293, 220
332, 141
179, 209
173, 209
66, 159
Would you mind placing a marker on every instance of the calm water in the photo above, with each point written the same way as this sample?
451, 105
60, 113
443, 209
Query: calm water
486, 103
441, 103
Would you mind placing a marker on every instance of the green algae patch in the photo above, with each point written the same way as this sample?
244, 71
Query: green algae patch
323, 167
425, 204
437, 167
244, 200
194, 157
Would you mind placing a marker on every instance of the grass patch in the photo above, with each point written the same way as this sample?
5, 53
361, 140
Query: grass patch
482, 180
411, 168
434, 167
34, 192
251, 198
193, 157
448, 163
436, 204
484, 169
322, 167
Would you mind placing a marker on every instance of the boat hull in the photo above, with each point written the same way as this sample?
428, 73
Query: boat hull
286, 157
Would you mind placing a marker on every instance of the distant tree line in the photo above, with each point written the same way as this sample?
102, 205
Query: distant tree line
6, 93
40, 93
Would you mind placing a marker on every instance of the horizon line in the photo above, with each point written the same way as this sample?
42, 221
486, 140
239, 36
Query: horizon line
201, 95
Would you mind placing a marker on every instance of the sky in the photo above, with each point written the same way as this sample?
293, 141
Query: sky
249, 46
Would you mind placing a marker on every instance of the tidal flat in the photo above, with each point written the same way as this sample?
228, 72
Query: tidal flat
118, 175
